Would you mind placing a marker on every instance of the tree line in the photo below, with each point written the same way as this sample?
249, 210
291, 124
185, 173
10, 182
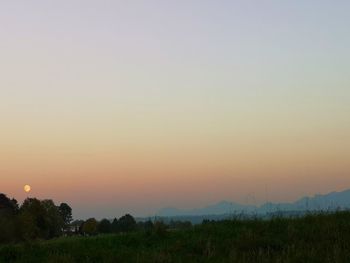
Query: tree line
43, 219
125, 224
34, 219
91, 226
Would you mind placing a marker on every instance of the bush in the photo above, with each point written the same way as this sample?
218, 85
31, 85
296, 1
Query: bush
90, 227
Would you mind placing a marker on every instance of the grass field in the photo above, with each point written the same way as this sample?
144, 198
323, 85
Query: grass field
313, 238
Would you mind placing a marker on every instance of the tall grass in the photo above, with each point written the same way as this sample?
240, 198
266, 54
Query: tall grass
312, 238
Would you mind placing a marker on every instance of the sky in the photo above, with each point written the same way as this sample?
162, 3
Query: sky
130, 106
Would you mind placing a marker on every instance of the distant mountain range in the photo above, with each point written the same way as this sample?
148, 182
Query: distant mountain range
331, 201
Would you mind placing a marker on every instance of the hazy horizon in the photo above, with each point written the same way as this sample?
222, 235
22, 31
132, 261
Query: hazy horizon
127, 107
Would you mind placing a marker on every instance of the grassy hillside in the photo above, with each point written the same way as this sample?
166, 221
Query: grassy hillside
314, 238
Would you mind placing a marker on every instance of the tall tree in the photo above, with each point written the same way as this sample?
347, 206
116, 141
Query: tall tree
7, 206
66, 213
9, 230
54, 221
104, 226
40, 219
127, 223
32, 217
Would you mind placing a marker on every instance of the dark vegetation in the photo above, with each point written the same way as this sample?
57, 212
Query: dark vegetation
322, 237
34, 219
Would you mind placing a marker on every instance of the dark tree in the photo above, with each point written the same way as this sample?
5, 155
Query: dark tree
126, 223
115, 226
104, 226
90, 227
7, 206
32, 217
66, 213
53, 218
40, 219
9, 230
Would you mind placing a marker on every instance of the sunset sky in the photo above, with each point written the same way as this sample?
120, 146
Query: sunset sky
130, 106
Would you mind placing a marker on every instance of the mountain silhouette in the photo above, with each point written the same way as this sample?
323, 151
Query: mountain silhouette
330, 201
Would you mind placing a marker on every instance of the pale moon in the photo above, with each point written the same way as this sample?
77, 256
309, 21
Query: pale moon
27, 188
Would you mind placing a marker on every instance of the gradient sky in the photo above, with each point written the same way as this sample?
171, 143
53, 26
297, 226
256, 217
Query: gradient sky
131, 106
